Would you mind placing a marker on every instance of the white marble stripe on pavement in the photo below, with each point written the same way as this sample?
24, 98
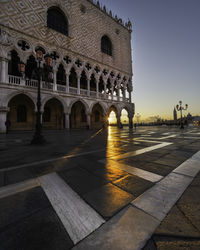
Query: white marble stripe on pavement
146, 175
18, 187
78, 218
133, 226
140, 151
158, 200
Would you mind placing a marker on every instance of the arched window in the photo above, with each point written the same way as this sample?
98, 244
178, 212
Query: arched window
73, 78
106, 45
21, 113
56, 20
13, 64
83, 116
92, 83
61, 77
96, 116
83, 80
47, 114
30, 69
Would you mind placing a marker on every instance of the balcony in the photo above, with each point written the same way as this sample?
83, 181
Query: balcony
30, 83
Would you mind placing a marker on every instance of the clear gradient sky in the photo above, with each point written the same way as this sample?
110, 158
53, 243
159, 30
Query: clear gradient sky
165, 53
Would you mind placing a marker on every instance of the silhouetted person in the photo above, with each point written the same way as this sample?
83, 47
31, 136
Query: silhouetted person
7, 124
135, 125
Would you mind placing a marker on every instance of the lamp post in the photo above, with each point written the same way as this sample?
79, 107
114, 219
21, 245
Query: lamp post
180, 108
38, 137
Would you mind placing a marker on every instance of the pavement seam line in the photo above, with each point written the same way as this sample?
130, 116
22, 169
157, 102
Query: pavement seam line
18, 187
49, 160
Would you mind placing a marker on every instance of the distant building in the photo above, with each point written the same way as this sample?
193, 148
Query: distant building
175, 114
91, 73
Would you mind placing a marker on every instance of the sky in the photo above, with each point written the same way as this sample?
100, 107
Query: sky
165, 54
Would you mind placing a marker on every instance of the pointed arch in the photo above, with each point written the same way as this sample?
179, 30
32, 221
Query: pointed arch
78, 100
73, 78
53, 115
21, 112
83, 80
13, 63
61, 75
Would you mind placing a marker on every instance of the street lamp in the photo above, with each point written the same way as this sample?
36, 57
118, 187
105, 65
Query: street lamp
180, 108
38, 137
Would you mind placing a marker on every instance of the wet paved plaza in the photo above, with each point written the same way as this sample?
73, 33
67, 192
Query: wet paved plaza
110, 189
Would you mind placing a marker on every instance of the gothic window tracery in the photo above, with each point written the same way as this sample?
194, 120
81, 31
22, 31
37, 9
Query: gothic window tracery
73, 78
61, 76
83, 80
13, 64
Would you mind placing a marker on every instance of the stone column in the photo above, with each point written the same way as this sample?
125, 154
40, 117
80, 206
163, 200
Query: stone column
88, 86
3, 70
3, 116
54, 80
112, 90
118, 93
124, 94
105, 90
67, 83
119, 124
89, 120
78, 85
66, 120
130, 96
130, 117
97, 89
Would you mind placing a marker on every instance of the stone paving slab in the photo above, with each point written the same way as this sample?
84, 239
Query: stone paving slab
108, 199
81, 180
21, 205
41, 230
182, 228
158, 200
133, 184
101, 183
121, 232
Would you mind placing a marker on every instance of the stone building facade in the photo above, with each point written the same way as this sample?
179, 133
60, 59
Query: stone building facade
91, 70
